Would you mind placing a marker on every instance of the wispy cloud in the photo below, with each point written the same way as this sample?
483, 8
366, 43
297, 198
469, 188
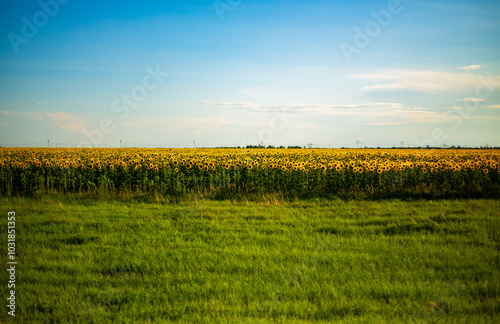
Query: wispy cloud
377, 113
31, 103
471, 99
67, 121
60, 119
493, 106
470, 67
29, 115
236, 105
302, 108
389, 123
419, 81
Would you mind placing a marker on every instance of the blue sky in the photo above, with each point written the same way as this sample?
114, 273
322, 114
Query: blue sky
231, 72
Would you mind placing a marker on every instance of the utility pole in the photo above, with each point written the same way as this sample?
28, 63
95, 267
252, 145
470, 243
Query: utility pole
194, 144
120, 143
48, 145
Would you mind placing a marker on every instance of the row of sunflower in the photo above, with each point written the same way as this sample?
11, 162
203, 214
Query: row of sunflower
299, 172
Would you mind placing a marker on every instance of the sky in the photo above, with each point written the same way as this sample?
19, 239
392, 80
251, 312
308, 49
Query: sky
246, 72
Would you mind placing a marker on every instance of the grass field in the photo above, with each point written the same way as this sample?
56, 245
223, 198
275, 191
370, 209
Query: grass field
93, 260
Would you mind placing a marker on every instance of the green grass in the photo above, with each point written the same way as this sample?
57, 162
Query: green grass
85, 260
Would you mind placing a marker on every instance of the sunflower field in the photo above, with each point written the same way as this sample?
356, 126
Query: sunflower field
228, 173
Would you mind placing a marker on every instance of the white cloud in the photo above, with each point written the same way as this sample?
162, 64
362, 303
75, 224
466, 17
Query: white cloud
471, 99
420, 81
303, 108
67, 121
494, 106
377, 113
59, 118
389, 123
30, 115
470, 67
237, 105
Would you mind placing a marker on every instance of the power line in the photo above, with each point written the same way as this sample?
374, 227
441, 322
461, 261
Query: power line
194, 144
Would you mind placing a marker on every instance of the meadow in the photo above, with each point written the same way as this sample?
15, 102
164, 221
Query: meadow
87, 260
252, 236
